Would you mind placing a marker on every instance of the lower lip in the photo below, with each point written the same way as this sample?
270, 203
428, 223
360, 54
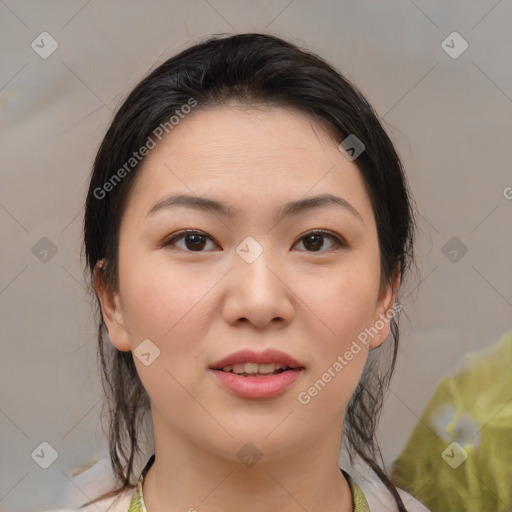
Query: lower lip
257, 387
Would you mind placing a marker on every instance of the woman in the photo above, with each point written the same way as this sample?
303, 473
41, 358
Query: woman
246, 231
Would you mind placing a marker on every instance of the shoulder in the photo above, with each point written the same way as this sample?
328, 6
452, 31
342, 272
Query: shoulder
377, 495
87, 484
381, 500
118, 503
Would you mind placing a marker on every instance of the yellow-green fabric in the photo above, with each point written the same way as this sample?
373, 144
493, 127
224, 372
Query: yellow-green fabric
472, 408
359, 502
137, 503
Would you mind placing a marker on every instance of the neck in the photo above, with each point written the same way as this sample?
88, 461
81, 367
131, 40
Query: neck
189, 477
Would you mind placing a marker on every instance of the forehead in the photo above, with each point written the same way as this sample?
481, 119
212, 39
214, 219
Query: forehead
248, 154
232, 134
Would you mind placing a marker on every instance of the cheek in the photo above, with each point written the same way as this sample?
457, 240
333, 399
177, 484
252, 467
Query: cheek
344, 307
343, 299
163, 305
167, 308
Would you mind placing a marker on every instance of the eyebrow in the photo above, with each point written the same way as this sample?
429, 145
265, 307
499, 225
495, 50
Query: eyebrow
286, 210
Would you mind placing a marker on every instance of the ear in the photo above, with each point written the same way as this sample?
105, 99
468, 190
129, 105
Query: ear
111, 310
385, 309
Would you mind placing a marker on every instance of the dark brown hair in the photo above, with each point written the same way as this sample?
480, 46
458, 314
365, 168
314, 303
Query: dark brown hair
252, 69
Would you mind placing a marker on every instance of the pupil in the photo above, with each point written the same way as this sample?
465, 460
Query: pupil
316, 245
198, 241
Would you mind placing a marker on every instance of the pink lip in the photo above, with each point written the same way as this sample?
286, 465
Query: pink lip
269, 355
257, 387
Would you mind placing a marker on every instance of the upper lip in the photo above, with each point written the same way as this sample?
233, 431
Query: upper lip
269, 355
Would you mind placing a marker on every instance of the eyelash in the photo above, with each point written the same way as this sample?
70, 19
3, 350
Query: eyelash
339, 242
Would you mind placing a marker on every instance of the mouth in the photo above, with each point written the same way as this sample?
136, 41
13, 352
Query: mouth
250, 374
249, 363
261, 384
255, 370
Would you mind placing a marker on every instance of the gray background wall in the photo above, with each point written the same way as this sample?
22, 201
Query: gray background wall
449, 117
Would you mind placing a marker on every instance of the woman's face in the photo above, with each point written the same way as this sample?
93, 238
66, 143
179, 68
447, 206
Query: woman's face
248, 280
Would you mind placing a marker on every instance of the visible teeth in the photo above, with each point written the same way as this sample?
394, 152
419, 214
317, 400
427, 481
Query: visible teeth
245, 368
253, 368
266, 368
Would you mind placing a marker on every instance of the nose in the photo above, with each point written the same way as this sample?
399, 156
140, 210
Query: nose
259, 293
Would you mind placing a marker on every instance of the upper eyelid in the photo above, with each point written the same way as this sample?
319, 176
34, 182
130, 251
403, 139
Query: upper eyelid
182, 234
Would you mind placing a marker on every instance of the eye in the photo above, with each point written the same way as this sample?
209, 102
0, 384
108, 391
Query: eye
194, 240
314, 240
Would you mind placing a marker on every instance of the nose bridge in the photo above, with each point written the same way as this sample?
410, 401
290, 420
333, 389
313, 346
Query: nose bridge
255, 263
258, 290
